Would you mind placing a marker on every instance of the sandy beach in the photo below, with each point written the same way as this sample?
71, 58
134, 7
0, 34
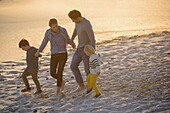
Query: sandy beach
135, 78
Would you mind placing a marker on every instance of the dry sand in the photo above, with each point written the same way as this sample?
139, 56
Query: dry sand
135, 77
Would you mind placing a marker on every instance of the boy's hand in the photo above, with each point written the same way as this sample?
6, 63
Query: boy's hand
37, 54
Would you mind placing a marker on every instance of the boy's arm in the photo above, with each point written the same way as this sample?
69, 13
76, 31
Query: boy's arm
98, 69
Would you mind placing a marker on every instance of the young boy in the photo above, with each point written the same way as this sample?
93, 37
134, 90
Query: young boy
94, 64
32, 66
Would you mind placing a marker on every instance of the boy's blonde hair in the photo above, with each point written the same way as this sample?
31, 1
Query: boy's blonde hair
89, 49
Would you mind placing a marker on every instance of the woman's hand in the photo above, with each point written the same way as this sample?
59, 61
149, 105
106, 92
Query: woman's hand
73, 45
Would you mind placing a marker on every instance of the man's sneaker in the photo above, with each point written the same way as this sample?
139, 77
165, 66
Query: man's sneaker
98, 95
26, 89
79, 90
88, 92
37, 92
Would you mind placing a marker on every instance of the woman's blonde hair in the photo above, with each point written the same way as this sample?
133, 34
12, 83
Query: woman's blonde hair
89, 49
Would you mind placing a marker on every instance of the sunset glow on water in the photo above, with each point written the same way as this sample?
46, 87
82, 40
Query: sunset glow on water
29, 19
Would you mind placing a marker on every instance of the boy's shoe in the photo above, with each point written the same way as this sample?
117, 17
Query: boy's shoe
37, 92
98, 95
26, 89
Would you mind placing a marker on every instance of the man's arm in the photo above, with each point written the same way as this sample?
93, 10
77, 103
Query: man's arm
90, 34
74, 34
73, 37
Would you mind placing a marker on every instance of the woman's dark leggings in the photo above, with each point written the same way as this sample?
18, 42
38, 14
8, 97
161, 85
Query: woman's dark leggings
58, 60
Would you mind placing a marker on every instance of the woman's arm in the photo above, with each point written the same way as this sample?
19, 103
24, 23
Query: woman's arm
43, 44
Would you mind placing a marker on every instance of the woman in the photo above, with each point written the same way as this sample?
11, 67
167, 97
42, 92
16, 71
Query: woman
59, 39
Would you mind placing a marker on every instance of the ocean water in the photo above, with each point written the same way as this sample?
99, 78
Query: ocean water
29, 19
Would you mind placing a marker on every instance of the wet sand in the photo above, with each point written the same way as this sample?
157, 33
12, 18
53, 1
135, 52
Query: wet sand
135, 77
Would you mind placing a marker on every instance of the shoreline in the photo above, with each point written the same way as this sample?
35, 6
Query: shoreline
110, 40
127, 37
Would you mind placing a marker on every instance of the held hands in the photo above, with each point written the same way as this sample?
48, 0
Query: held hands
73, 44
37, 54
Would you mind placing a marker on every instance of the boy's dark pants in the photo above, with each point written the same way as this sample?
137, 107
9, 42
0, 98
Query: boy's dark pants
34, 73
58, 60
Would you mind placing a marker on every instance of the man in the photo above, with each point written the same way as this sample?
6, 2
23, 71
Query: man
84, 31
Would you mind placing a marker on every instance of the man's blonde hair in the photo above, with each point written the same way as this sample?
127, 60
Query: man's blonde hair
89, 49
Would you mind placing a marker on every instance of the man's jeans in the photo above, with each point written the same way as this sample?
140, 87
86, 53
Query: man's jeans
77, 58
